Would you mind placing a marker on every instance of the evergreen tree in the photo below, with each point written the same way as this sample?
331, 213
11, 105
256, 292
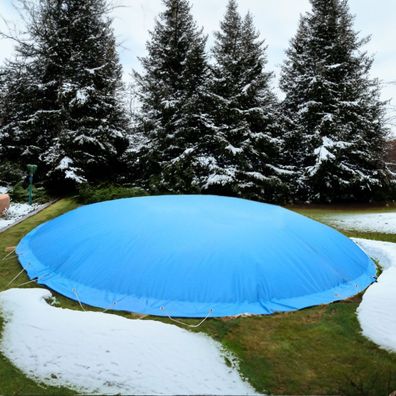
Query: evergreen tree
28, 118
15, 87
172, 93
71, 121
334, 118
243, 113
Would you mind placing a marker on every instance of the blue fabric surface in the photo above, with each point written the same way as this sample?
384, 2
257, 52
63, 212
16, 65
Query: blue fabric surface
193, 256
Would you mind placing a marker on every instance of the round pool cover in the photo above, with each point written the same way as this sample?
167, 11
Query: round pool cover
194, 256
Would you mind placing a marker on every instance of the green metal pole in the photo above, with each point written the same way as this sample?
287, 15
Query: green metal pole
30, 189
32, 170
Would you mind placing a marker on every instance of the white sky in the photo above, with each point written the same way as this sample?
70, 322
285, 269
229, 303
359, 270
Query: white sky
277, 21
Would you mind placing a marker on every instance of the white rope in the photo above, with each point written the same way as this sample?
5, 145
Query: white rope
8, 255
186, 324
8, 258
113, 304
15, 277
26, 283
78, 299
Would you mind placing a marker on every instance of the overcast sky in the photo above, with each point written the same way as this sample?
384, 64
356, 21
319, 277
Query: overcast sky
277, 21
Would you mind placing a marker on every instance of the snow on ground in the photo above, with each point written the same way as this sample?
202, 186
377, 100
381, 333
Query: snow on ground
377, 312
3, 190
370, 222
16, 212
100, 353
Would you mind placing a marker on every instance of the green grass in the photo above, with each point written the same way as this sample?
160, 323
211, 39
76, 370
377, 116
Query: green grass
318, 350
314, 351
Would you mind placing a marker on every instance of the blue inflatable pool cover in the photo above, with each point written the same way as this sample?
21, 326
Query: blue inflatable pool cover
194, 256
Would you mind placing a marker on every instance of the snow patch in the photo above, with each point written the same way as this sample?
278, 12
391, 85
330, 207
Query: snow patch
100, 353
335, 66
72, 175
280, 171
82, 96
377, 312
221, 179
66, 88
64, 163
95, 69
256, 175
3, 190
70, 172
323, 152
234, 150
371, 222
16, 212
218, 180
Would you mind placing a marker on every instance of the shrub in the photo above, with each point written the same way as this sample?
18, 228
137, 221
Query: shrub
10, 173
91, 194
19, 193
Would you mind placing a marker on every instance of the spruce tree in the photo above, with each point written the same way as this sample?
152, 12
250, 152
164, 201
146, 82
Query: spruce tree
72, 123
244, 113
172, 94
334, 118
29, 118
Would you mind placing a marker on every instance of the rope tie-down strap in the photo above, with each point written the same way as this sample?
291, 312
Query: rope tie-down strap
9, 254
112, 305
186, 324
78, 298
17, 275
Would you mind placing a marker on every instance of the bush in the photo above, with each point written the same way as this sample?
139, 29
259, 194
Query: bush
20, 194
91, 194
10, 174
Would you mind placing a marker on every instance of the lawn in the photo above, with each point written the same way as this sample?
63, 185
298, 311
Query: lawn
321, 213
314, 351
